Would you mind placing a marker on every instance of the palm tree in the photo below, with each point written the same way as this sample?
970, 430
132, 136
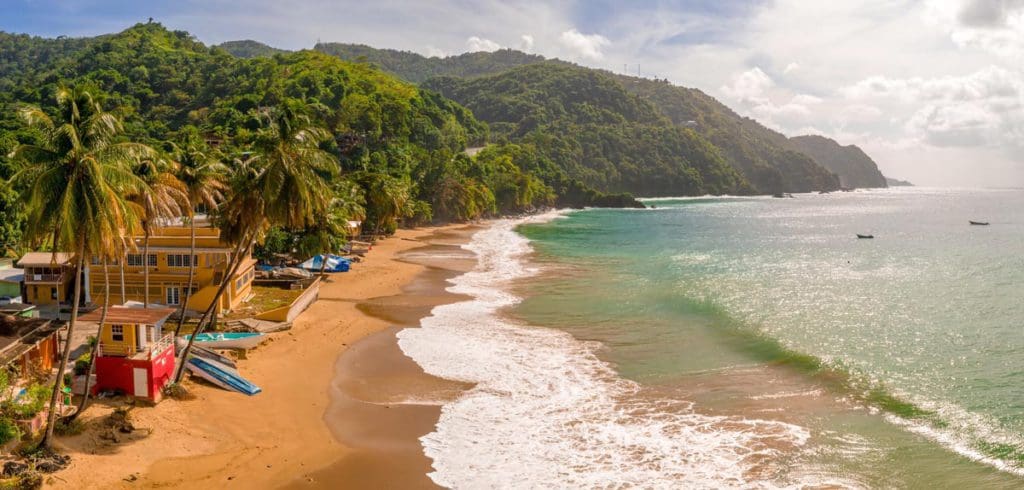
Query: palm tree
284, 182
241, 222
202, 175
95, 344
163, 198
387, 198
73, 184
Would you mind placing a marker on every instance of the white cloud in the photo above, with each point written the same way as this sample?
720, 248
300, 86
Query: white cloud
431, 51
526, 43
749, 86
474, 44
587, 46
790, 68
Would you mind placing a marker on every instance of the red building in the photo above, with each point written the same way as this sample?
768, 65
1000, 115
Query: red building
134, 357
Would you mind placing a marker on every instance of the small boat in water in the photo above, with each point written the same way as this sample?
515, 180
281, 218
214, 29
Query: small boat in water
979, 223
865, 236
229, 340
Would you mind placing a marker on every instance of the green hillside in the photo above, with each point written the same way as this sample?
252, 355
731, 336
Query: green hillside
586, 122
249, 49
764, 157
387, 133
854, 167
418, 68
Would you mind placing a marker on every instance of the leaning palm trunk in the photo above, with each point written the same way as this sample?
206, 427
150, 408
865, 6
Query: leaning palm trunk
124, 292
96, 345
233, 265
191, 277
145, 267
59, 383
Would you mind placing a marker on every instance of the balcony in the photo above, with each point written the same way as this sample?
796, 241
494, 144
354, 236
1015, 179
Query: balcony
147, 353
47, 278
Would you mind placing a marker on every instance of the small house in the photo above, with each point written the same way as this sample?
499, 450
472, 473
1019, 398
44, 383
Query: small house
134, 357
49, 277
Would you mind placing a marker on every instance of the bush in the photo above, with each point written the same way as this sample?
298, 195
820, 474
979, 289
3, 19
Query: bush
72, 428
31, 403
9, 430
82, 364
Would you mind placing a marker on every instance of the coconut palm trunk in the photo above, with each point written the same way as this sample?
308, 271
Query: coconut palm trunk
191, 276
51, 417
124, 292
145, 265
233, 265
96, 345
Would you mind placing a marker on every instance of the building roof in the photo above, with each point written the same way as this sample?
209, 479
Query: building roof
44, 259
28, 334
12, 275
130, 315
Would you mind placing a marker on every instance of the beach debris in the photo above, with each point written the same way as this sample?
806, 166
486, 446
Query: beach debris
50, 462
118, 426
15, 468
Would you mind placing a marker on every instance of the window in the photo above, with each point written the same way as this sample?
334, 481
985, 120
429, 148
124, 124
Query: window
173, 295
53, 293
117, 333
180, 260
136, 260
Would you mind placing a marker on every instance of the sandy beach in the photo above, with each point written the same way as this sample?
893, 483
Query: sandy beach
341, 405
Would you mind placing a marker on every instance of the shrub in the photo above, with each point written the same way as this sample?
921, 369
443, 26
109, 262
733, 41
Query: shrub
9, 430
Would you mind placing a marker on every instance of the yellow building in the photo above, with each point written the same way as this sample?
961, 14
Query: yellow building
169, 264
49, 277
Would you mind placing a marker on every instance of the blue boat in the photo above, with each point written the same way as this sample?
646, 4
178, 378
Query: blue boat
335, 263
221, 375
229, 340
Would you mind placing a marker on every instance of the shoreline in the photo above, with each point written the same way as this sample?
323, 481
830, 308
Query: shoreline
290, 435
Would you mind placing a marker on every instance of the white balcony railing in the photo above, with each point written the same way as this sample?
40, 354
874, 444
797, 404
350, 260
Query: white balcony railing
127, 350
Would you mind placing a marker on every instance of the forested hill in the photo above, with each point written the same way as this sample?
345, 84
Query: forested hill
850, 163
417, 68
764, 157
249, 49
400, 147
586, 122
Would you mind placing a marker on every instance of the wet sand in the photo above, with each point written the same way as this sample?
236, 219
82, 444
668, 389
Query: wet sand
381, 401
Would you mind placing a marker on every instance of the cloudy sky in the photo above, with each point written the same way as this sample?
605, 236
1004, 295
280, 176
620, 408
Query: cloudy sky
932, 89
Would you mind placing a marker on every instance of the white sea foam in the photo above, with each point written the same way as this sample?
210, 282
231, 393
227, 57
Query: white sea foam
547, 413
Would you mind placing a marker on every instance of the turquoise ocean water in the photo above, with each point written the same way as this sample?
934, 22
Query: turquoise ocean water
899, 360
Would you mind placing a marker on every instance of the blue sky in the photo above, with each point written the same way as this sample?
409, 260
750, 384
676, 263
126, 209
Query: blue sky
932, 89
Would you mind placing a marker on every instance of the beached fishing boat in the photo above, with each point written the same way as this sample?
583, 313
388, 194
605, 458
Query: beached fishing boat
979, 223
865, 236
229, 340
221, 375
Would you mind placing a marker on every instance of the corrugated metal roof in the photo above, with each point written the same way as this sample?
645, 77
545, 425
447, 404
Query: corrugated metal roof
46, 258
125, 314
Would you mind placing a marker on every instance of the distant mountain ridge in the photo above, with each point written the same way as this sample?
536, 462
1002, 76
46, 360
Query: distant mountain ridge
854, 167
764, 157
417, 68
249, 49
